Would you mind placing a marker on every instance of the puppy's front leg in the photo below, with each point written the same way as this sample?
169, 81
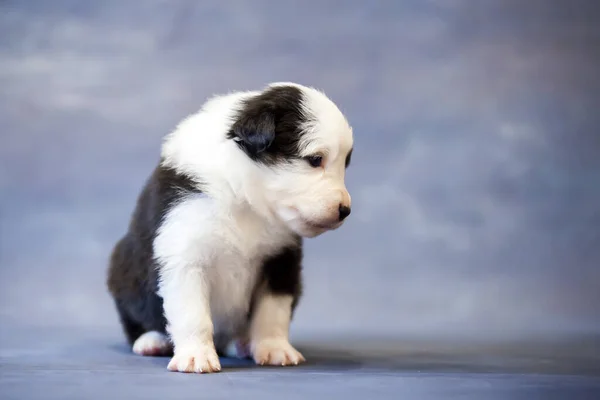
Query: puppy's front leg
187, 309
269, 330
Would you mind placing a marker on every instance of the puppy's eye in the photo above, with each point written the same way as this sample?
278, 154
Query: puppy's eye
314, 161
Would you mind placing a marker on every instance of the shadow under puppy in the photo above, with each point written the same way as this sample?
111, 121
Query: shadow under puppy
211, 261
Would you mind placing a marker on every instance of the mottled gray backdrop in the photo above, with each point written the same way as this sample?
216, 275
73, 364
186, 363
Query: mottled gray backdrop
475, 177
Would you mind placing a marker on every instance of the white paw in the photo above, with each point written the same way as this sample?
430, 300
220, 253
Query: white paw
238, 349
152, 344
276, 352
201, 359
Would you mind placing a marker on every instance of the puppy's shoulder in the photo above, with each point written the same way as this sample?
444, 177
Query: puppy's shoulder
163, 190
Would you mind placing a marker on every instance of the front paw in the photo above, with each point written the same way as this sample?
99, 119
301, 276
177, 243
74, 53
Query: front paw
276, 352
199, 360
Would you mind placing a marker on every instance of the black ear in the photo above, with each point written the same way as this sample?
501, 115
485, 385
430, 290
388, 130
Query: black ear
254, 132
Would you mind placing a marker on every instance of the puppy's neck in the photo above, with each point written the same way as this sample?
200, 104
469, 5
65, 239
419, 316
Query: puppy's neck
224, 174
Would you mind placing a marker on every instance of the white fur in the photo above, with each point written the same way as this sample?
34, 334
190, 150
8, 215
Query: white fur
210, 246
152, 344
269, 331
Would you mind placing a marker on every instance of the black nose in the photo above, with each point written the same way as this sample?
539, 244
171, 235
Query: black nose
344, 212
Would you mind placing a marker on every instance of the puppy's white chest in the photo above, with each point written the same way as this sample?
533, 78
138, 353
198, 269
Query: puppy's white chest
223, 250
244, 242
232, 281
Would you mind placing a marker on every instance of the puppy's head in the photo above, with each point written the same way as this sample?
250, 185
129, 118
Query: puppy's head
302, 144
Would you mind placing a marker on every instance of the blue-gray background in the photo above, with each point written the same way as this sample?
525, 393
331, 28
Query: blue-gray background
475, 178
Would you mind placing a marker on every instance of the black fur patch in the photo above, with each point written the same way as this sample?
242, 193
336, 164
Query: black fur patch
132, 275
267, 127
283, 272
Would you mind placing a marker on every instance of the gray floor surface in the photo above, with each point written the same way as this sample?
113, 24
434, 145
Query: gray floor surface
74, 364
469, 266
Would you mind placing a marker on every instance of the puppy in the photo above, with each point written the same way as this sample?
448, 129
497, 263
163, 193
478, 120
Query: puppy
211, 261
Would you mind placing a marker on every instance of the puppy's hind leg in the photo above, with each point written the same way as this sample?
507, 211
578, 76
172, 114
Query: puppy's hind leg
142, 341
131, 328
153, 343
238, 348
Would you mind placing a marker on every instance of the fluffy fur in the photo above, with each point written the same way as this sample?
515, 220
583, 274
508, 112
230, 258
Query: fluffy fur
211, 262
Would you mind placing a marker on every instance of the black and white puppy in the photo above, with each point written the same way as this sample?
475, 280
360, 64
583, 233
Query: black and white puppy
211, 261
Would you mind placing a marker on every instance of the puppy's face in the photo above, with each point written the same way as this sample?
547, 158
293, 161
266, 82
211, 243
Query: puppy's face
308, 191
302, 144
